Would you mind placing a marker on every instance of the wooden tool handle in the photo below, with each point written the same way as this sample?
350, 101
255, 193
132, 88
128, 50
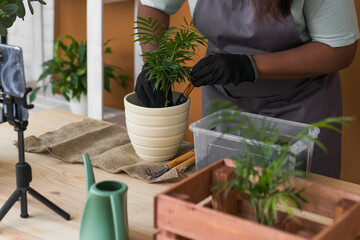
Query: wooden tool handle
181, 159
188, 89
184, 165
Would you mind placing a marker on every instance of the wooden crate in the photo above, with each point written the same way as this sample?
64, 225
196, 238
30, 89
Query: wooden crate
190, 210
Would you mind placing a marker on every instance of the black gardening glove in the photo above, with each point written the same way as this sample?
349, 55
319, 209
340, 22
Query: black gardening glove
146, 94
224, 69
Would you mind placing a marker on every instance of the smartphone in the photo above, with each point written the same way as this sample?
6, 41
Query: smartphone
12, 76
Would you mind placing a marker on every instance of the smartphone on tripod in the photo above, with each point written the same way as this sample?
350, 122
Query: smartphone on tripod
12, 76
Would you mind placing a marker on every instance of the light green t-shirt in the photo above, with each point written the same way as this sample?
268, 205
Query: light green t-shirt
332, 22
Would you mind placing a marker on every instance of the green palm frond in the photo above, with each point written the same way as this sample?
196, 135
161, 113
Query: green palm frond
173, 49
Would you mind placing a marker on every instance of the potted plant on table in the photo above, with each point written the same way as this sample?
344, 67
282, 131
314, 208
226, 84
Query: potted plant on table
68, 74
258, 187
156, 133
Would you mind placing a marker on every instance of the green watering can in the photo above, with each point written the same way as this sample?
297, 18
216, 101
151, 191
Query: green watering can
105, 212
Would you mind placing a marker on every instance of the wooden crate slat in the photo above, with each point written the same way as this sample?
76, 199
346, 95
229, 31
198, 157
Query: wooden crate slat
174, 212
322, 198
220, 202
341, 207
347, 227
199, 191
164, 235
196, 222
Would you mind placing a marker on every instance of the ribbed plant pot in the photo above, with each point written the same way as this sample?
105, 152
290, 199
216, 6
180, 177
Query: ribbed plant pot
79, 107
155, 133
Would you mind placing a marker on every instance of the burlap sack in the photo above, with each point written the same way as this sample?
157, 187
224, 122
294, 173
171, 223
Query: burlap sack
108, 146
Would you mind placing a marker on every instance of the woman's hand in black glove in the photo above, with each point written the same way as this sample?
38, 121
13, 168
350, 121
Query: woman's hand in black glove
145, 91
224, 69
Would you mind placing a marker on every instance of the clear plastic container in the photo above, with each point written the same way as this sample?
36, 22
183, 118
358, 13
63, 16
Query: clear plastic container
215, 138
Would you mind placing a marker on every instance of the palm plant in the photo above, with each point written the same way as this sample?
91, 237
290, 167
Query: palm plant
167, 64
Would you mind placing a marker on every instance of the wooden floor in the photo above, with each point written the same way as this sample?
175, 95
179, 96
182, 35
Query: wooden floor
64, 184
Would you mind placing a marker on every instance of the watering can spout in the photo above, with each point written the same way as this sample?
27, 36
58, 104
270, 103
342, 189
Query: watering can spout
89, 174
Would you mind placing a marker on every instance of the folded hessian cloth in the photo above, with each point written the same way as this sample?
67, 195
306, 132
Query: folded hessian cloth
108, 146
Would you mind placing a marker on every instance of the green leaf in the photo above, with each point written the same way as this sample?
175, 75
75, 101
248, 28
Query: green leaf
56, 49
43, 75
32, 96
186, 21
293, 201
42, 2
286, 206
61, 45
82, 52
107, 50
50, 63
10, 9
81, 71
30, 7
108, 41
72, 39
21, 9
107, 84
7, 22
143, 21
54, 87
74, 79
83, 82
144, 29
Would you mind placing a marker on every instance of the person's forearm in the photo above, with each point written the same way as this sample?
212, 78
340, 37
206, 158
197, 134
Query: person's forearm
145, 12
309, 60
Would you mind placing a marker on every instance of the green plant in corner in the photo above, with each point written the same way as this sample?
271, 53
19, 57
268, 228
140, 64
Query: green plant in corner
173, 49
10, 10
68, 74
263, 173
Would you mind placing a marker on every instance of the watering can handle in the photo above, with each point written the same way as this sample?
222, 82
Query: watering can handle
120, 224
89, 174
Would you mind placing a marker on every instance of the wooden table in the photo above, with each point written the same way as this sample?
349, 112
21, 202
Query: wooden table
64, 184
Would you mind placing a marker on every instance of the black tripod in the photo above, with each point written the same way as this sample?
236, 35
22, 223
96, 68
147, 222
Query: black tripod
13, 106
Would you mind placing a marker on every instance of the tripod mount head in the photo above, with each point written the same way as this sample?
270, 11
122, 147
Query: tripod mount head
13, 91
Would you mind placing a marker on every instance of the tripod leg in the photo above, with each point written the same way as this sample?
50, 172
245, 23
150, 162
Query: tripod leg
49, 204
24, 211
9, 203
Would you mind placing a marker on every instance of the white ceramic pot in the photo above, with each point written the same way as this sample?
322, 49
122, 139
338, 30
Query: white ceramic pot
155, 133
79, 107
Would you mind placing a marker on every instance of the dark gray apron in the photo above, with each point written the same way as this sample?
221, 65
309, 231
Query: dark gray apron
233, 26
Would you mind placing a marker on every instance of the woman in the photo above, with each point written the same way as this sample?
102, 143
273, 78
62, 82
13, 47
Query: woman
272, 57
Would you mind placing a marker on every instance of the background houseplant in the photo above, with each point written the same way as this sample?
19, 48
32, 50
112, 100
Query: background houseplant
68, 72
157, 133
10, 10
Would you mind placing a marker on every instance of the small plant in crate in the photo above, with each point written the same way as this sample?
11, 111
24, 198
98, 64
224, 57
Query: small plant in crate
263, 173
